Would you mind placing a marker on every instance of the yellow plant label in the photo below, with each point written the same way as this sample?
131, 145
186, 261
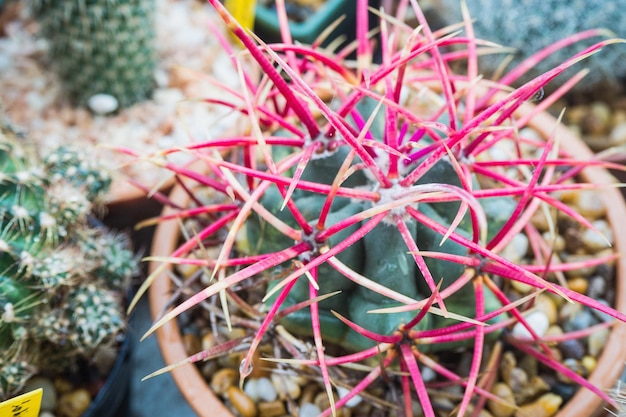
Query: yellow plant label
26, 405
242, 11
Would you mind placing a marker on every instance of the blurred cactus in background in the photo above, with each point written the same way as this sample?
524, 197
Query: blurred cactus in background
100, 47
62, 275
530, 25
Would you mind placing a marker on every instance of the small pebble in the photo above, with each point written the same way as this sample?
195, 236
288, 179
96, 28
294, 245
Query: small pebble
578, 284
266, 390
62, 385
589, 205
582, 319
309, 410
596, 341
272, 409
241, 402
285, 386
545, 406
102, 104
191, 343
45, 413
517, 379
223, 379
516, 250
597, 287
521, 288
589, 363
573, 365
505, 407
537, 321
74, 403
49, 397
208, 341
583, 270
598, 239
572, 349
597, 120
352, 402
167, 96
546, 305
556, 243
618, 134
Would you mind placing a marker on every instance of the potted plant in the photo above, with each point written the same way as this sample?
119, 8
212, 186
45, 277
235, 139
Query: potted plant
306, 20
379, 222
64, 281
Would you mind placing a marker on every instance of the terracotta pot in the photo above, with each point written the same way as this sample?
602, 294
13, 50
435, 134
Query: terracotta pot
584, 404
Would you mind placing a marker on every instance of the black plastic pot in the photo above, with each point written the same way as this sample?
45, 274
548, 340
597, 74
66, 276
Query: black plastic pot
112, 399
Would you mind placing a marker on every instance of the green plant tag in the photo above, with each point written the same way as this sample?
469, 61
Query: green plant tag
25, 405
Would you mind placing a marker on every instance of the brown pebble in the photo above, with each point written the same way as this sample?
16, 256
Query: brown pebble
546, 304
62, 385
208, 341
224, 379
241, 402
272, 409
578, 284
589, 363
74, 403
597, 120
506, 406
545, 406
192, 343
308, 393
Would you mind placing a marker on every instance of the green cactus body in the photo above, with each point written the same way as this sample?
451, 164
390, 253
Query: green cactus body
382, 256
101, 47
62, 278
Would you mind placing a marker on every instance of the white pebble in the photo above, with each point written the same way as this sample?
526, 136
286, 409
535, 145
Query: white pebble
352, 402
167, 96
50, 397
516, 249
428, 374
309, 410
286, 386
265, 390
537, 320
46, 414
618, 134
102, 104
251, 389
598, 239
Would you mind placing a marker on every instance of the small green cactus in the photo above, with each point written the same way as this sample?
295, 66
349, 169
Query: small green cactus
100, 46
62, 276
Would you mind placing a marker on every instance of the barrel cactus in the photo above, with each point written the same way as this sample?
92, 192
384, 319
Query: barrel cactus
539, 24
372, 205
382, 255
63, 275
100, 47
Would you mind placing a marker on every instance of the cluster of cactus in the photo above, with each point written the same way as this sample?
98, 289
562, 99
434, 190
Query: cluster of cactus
101, 47
369, 203
63, 275
529, 25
